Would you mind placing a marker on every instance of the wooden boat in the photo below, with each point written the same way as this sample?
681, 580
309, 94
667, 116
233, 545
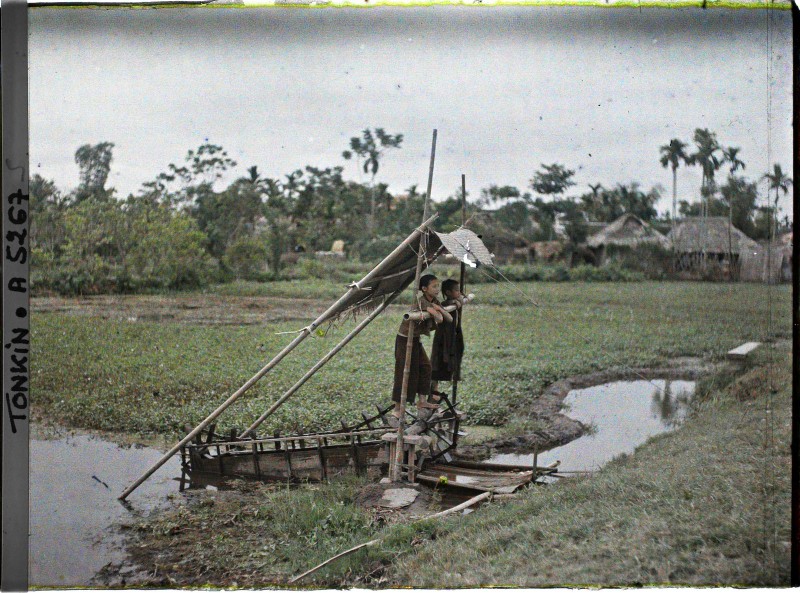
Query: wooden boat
358, 448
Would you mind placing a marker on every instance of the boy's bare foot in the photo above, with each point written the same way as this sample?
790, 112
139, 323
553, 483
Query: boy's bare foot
393, 420
427, 406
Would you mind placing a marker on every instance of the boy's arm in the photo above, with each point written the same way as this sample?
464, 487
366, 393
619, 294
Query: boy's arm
436, 313
444, 314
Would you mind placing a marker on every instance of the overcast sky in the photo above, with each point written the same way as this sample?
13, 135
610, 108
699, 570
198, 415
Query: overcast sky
598, 90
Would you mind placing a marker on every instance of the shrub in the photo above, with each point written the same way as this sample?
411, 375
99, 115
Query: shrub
246, 257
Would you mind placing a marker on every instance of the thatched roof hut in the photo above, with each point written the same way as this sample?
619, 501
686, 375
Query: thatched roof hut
695, 235
506, 245
769, 262
712, 248
628, 230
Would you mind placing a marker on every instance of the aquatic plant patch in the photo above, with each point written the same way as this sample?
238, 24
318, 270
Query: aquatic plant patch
156, 377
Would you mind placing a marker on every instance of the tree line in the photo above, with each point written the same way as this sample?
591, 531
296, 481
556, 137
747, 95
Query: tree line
181, 230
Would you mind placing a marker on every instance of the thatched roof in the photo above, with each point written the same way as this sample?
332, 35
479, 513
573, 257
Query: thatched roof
688, 236
485, 223
628, 230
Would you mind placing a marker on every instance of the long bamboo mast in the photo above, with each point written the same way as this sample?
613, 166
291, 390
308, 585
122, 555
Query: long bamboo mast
396, 463
462, 286
356, 287
364, 323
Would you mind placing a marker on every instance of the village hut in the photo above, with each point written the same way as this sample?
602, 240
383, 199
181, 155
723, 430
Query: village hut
786, 246
628, 231
507, 246
711, 241
768, 262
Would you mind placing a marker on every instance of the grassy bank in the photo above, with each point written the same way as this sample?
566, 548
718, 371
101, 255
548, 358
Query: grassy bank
93, 369
706, 504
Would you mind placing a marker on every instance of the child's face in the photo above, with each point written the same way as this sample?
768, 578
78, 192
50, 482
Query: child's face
453, 293
433, 289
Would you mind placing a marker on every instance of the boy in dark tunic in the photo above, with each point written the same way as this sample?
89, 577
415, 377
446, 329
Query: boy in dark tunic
419, 381
447, 349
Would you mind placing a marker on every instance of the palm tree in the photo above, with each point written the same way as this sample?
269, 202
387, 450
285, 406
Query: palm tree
730, 156
778, 181
671, 155
708, 159
371, 147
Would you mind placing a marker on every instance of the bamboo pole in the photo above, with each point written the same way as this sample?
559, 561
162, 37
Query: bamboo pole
293, 389
462, 286
355, 287
423, 315
462, 506
286, 439
394, 465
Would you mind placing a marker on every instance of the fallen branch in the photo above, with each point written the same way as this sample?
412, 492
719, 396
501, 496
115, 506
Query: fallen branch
463, 505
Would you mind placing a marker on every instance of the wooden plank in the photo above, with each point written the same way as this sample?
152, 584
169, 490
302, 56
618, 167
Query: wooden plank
382, 416
322, 465
360, 470
256, 465
219, 462
367, 420
741, 352
289, 473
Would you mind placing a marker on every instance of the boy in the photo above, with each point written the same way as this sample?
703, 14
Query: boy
448, 342
419, 380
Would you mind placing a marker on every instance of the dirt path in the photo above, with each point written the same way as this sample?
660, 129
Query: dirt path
191, 308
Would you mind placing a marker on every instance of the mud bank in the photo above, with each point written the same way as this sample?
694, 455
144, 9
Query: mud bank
556, 428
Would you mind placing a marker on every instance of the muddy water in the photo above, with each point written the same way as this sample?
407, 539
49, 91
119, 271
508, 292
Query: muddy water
623, 414
74, 511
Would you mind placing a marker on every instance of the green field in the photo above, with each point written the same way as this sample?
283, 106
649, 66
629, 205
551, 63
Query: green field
705, 504
100, 371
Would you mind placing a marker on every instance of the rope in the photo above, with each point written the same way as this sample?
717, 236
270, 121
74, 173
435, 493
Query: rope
770, 527
534, 303
297, 331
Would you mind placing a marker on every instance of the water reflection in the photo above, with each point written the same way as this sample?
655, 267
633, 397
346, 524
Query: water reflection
74, 485
671, 406
623, 415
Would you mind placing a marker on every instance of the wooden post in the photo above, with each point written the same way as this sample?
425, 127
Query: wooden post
394, 464
256, 465
322, 462
288, 456
332, 310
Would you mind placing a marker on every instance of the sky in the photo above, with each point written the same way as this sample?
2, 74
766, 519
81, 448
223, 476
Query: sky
508, 88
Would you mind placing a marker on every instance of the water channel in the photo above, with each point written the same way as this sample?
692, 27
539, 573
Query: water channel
623, 415
74, 511
75, 480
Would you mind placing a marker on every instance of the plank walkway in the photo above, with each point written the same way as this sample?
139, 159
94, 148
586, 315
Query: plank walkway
741, 352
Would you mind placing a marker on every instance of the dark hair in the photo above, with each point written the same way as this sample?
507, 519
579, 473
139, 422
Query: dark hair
425, 280
449, 284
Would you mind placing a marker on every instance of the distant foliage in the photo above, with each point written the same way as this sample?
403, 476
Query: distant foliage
196, 222
109, 246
